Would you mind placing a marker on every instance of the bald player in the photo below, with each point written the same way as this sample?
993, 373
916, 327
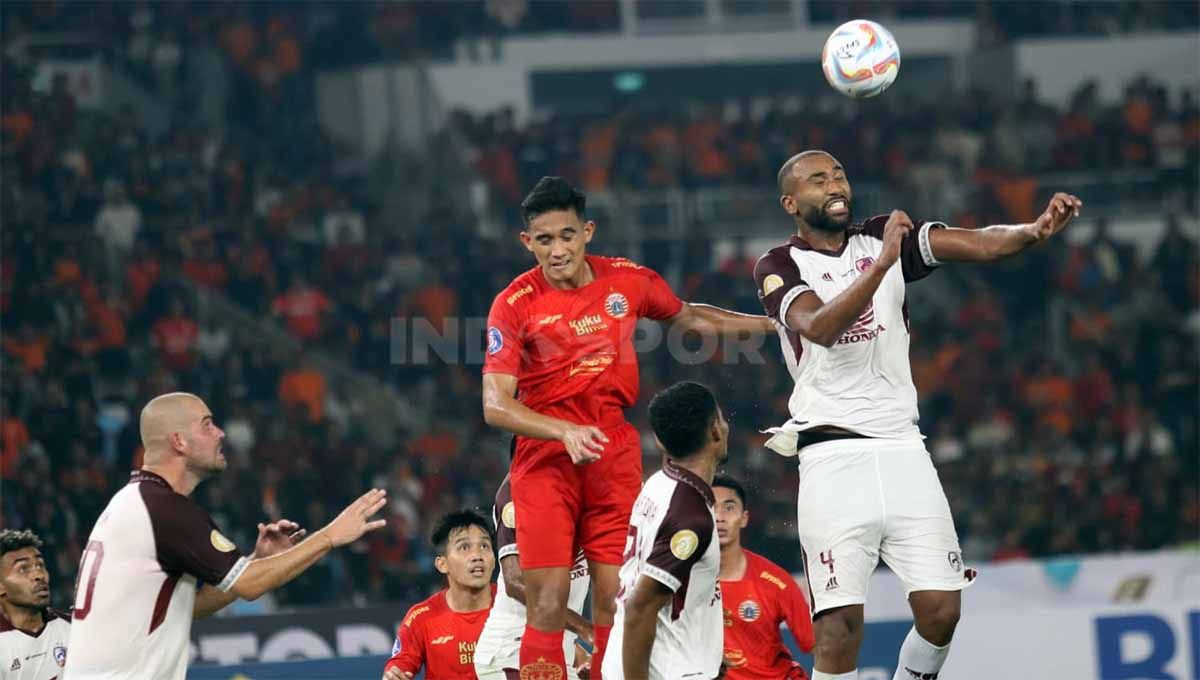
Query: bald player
138, 591
868, 489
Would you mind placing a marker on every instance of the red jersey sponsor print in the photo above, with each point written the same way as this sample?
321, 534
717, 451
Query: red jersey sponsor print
755, 606
439, 639
572, 350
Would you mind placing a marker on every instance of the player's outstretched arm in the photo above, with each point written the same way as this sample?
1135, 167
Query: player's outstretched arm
825, 322
266, 574
584, 443
715, 321
641, 619
1003, 240
273, 538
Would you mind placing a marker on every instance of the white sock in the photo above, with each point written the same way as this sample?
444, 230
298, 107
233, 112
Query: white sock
818, 675
919, 658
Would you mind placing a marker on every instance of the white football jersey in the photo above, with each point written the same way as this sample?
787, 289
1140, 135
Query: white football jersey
863, 383
671, 540
500, 642
25, 656
138, 577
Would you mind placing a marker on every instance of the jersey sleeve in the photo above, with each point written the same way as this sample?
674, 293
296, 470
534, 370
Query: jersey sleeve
659, 302
504, 338
681, 541
187, 541
408, 651
794, 609
778, 281
916, 255
506, 522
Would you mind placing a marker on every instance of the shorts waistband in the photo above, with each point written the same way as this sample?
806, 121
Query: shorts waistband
857, 443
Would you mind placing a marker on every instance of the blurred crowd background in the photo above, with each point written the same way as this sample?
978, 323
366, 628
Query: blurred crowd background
242, 255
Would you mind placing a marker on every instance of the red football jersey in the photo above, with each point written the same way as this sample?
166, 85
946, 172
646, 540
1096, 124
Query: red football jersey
755, 605
438, 638
572, 350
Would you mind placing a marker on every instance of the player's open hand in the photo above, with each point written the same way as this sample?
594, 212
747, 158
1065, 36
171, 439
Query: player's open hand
898, 226
355, 520
584, 443
1062, 209
276, 537
396, 674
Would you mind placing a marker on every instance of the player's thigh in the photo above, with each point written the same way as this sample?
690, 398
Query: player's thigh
547, 498
839, 521
920, 543
611, 486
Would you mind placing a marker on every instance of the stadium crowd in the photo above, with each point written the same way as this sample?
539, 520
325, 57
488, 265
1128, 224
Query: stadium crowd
110, 231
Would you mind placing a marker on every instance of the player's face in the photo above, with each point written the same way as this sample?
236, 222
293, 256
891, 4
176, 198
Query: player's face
206, 444
731, 516
558, 240
820, 193
23, 578
469, 559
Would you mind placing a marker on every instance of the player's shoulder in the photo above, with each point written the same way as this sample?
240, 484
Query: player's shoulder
520, 289
603, 265
775, 261
162, 502
767, 571
691, 498
426, 609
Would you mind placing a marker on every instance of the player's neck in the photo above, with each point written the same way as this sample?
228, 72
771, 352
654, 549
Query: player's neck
28, 619
733, 562
464, 600
819, 239
704, 467
182, 481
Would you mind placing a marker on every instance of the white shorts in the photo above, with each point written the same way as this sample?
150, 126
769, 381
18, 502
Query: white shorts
862, 499
498, 650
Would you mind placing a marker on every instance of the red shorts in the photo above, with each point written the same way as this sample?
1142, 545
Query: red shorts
561, 506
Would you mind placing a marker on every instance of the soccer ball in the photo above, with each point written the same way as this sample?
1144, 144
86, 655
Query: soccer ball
860, 59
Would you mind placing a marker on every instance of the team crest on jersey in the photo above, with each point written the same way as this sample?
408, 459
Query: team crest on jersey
616, 305
771, 284
509, 515
16, 665
864, 263
749, 611
684, 543
60, 655
495, 340
541, 670
220, 542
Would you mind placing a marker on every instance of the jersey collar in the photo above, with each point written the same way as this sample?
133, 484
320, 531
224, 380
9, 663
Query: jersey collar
691, 479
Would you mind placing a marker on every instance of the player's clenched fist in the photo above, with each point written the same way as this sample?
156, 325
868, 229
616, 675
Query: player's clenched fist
898, 226
396, 674
1062, 209
355, 519
584, 443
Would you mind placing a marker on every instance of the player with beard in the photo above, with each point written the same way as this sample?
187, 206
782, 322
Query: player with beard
33, 637
868, 488
137, 590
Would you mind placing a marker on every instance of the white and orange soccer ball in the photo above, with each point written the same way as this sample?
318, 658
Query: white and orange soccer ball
860, 59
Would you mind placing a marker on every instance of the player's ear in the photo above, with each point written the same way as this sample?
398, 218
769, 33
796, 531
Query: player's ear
589, 230
439, 563
659, 444
788, 203
745, 519
526, 240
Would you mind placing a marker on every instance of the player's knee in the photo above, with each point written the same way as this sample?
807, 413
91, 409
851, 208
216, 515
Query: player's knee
938, 618
838, 634
546, 609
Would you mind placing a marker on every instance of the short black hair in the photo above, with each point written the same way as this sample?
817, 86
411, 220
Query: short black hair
733, 485
11, 539
462, 519
552, 193
681, 416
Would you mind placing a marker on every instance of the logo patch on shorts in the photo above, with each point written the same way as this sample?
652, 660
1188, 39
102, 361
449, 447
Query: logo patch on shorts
509, 515
955, 560
220, 542
684, 544
749, 611
771, 284
495, 340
